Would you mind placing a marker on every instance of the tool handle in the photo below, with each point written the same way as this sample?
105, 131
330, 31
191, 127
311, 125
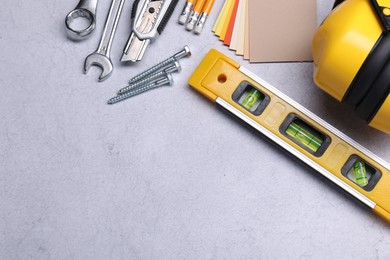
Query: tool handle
134, 9
89, 5
167, 16
110, 27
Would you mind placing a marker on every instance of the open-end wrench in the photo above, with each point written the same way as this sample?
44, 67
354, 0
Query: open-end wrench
101, 57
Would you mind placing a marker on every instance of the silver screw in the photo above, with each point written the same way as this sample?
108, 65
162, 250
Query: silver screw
162, 65
167, 80
158, 75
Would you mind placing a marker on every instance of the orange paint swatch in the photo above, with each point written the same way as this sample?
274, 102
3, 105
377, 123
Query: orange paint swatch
226, 24
232, 22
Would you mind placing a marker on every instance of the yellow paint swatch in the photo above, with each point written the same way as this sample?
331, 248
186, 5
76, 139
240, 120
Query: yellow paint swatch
227, 20
220, 16
224, 17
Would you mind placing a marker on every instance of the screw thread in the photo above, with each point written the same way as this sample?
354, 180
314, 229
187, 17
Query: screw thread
142, 82
160, 66
133, 92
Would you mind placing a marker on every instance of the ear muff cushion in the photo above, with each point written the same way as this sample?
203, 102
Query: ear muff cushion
376, 96
369, 71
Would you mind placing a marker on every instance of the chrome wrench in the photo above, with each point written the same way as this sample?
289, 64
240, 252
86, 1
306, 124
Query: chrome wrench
101, 57
87, 9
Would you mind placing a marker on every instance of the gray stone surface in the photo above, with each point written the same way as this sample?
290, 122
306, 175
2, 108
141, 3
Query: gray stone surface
164, 175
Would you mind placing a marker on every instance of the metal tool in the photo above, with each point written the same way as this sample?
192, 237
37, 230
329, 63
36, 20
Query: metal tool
158, 75
84, 9
166, 80
101, 57
162, 65
149, 20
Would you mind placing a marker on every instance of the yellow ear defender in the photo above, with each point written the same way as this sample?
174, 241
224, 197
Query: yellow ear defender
351, 52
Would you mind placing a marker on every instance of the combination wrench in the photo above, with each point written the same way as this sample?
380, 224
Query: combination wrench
101, 57
86, 9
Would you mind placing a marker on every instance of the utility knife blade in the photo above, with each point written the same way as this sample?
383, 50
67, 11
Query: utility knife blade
149, 19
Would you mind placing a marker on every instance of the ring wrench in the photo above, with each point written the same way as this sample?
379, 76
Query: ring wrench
101, 57
85, 9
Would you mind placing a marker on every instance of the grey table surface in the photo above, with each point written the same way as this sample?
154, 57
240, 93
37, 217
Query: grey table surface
164, 175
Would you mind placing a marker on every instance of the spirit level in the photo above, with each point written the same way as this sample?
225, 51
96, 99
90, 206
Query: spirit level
297, 130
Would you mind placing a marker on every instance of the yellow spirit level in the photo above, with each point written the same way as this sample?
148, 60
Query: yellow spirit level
351, 53
297, 130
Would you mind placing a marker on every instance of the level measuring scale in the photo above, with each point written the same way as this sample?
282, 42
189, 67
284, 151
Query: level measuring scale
312, 140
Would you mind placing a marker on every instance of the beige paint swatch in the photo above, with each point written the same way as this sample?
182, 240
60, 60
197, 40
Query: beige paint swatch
247, 36
237, 24
241, 30
281, 30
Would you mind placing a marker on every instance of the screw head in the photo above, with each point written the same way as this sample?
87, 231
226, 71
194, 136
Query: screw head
183, 53
187, 50
174, 68
170, 79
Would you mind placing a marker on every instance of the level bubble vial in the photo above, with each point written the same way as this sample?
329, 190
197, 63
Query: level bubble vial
305, 135
361, 172
251, 98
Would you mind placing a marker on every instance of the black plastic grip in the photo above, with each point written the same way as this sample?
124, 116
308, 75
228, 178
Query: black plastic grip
134, 9
385, 20
167, 16
336, 3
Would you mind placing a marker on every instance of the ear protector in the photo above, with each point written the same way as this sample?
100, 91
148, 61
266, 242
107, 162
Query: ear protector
351, 53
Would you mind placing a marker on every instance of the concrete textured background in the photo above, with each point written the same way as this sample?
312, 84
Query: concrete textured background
164, 175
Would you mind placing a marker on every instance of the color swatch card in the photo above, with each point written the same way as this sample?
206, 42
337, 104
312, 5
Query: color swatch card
284, 30
268, 31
